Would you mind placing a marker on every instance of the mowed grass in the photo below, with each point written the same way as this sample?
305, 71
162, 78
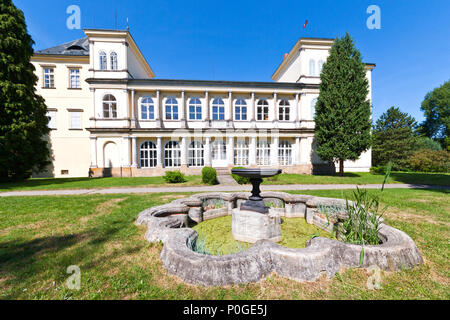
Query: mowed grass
94, 183
359, 178
40, 237
100, 183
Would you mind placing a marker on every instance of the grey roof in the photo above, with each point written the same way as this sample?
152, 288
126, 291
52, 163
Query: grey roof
79, 47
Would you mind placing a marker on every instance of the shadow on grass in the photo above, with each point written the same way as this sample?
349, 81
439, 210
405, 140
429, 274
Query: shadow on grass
438, 179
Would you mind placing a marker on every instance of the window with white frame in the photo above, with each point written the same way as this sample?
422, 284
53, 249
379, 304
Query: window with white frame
75, 78
284, 153
113, 59
147, 109
263, 153
313, 108
109, 106
241, 151
171, 109
196, 154
284, 110
195, 109
312, 67
148, 154
262, 110
320, 66
172, 154
218, 109
103, 64
49, 78
219, 150
240, 110
51, 115
75, 120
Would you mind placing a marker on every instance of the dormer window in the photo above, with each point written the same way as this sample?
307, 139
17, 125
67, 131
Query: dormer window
103, 62
113, 59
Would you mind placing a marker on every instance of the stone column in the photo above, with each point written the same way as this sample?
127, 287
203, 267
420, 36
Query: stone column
183, 110
93, 141
252, 151
94, 112
296, 108
207, 151
134, 152
133, 109
230, 151
252, 107
159, 152
208, 111
274, 151
230, 109
183, 151
275, 106
297, 151
126, 152
158, 109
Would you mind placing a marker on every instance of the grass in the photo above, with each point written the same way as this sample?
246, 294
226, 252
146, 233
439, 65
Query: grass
217, 235
41, 236
94, 183
362, 178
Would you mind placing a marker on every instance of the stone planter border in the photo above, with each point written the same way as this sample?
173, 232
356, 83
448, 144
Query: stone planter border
168, 223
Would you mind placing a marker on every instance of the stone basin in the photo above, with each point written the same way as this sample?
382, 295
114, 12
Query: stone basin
256, 173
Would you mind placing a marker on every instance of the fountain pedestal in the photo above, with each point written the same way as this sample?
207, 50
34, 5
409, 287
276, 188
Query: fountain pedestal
251, 226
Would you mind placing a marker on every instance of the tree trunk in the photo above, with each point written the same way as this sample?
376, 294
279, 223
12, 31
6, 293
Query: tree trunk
341, 168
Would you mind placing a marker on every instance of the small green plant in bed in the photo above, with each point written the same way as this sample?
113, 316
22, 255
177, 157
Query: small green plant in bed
174, 177
275, 204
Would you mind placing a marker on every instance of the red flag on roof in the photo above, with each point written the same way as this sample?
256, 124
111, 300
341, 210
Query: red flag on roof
306, 22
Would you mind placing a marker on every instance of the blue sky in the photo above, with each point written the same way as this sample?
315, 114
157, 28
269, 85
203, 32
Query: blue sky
245, 40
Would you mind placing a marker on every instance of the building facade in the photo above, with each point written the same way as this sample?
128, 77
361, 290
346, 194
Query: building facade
110, 117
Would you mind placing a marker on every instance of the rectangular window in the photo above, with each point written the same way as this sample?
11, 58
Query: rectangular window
75, 79
51, 115
75, 119
49, 78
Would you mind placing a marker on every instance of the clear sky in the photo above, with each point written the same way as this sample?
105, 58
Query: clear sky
246, 40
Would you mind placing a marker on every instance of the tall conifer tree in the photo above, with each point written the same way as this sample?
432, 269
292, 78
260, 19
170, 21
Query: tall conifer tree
23, 121
343, 110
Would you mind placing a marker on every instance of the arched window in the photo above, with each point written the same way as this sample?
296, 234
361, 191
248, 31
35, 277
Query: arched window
172, 154
103, 64
263, 153
241, 151
147, 109
262, 110
195, 109
240, 110
196, 154
113, 59
171, 109
312, 67
284, 153
320, 66
284, 110
109, 106
218, 109
148, 154
313, 108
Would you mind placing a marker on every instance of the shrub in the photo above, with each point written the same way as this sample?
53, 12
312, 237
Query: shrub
378, 170
174, 177
430, 161
239, 179
209, 175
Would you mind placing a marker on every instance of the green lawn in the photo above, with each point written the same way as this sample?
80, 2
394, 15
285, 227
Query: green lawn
41, 236
93, 183
349, 178
363, 178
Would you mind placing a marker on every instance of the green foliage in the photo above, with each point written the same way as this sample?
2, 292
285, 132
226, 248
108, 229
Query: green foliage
378, 170
23, 121
209, 175
425, 143
174, 177
436, 107
239, 179
343, 111
363, 222
393, 139
430, 161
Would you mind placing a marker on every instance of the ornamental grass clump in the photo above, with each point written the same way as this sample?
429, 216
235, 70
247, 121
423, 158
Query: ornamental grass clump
363, 221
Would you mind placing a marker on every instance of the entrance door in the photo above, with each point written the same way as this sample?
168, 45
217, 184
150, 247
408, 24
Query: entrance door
219, 154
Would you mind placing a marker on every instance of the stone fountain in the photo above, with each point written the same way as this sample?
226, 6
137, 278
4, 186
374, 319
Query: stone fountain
253, 220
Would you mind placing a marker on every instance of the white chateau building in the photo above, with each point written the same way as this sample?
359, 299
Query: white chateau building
110, 116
